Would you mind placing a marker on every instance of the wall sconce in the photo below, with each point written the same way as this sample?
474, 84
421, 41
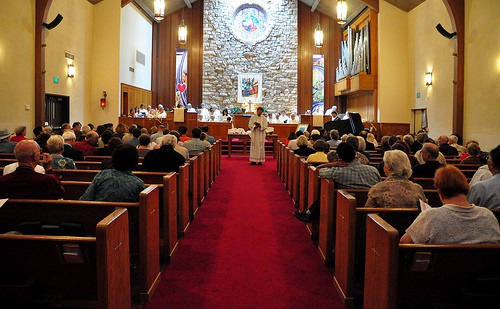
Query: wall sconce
159, 9
428, 78
341, 12
183, 32
103, 100
71, 70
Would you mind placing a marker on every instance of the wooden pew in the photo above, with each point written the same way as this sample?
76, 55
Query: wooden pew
168, 210
149, 178
349, 241
417, 275
329, 213
194, 177
6, 161
143, 223
90, 269
7, 156
303, 180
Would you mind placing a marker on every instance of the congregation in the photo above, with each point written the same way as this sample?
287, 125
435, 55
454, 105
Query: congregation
161, 150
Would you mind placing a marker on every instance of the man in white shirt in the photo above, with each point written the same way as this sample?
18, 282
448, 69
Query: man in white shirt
205, 114
486, 193
283, 118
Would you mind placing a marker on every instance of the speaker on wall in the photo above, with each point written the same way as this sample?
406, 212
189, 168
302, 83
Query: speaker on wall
54, 23
445, 33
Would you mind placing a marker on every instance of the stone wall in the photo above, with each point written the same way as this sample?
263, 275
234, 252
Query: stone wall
224, 56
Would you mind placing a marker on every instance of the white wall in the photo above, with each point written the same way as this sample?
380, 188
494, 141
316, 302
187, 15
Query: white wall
73, 34
430, 51
482, 72
105, 63
17, 64
136, 33
393, 103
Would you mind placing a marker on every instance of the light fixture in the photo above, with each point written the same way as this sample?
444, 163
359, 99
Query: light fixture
341, 11
428, 78
183, 32
102, 103
159, 8
71, 70
318, 35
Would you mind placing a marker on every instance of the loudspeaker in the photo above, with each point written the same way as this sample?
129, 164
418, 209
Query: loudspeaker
445, 33
54, 23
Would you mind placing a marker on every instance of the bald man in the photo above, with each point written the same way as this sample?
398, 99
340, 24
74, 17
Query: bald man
24, 182
430, 153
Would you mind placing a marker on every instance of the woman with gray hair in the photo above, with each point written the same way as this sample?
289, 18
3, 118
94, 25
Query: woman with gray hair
55, 144
396, 191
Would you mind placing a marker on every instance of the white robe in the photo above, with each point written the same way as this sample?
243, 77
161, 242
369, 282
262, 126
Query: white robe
258, 138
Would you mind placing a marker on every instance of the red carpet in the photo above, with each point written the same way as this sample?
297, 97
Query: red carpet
246, 250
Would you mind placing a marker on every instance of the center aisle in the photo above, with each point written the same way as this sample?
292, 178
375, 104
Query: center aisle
245, 249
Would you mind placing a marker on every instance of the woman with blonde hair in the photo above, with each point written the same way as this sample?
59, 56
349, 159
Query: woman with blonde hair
396, 191
371, 138
55, 145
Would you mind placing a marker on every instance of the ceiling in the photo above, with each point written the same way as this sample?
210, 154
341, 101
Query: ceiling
327, 7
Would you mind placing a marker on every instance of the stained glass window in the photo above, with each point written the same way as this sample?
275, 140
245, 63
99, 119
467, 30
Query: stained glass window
250, 24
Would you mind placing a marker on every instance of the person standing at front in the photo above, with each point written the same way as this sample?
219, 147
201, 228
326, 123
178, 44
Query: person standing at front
258, 126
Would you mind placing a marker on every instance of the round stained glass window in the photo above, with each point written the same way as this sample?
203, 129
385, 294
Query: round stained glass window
250, 24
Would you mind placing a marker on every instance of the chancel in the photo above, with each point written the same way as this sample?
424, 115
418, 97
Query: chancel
214, 84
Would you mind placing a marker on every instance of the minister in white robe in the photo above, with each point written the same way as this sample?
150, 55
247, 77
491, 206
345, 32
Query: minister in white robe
258, 126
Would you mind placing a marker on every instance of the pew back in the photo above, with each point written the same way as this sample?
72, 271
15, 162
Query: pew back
91, 268
422, 275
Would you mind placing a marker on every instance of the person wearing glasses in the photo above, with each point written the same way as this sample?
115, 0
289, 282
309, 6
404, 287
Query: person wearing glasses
25, 182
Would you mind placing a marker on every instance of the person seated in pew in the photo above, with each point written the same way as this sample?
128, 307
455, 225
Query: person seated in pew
486, 193
474, 151
347, 173
291, 136
396, 191
360, 155
303, 148
89, 145
362, 147
320, 147
105, 137
371, 138
164, 159
196, 145
25, 182
292, 144
145, 145
420, 158
482, 173
6, 146
112, 144
117, 184
403, 146
55, 144
453, 142
210, 138
183, 131
369, 145
334, 141
430, 154
457, 221
445, 148
182, 150
69, 140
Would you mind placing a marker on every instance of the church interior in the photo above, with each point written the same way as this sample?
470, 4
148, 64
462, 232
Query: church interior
393, 67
